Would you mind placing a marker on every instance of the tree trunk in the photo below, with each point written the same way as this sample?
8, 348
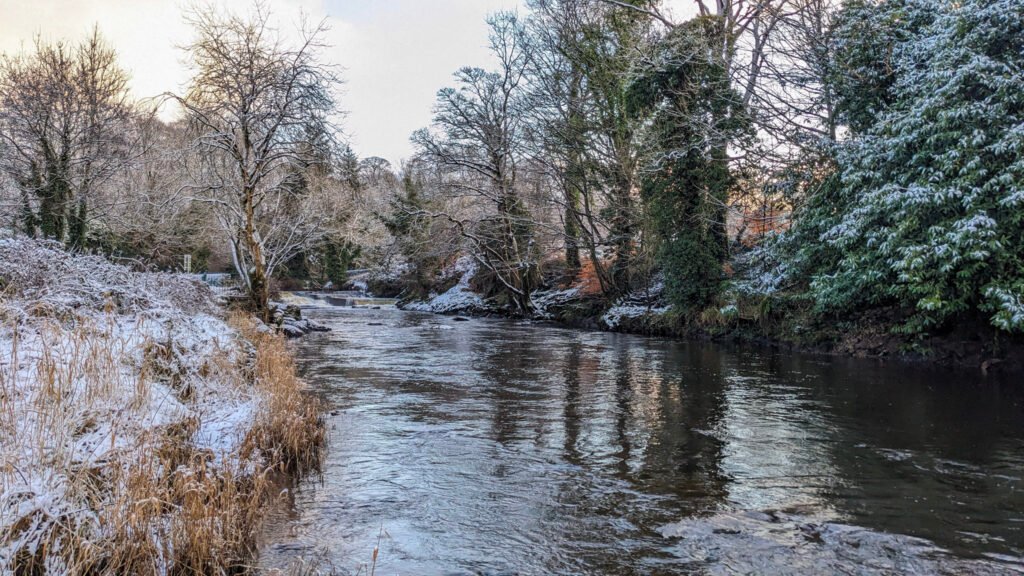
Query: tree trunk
259, 285
574, 178
622, 230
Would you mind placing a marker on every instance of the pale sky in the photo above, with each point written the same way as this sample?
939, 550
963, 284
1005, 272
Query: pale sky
394, 54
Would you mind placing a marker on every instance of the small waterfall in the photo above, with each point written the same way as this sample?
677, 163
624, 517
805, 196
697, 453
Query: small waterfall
344, 298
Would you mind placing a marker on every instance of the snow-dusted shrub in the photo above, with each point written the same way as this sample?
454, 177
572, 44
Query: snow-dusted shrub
43, 274
927, 209
767, 268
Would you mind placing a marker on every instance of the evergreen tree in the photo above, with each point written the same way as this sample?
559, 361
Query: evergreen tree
407, 222
349, 168
337, 256
864, 47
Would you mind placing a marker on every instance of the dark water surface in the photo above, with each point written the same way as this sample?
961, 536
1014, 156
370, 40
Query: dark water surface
502, 447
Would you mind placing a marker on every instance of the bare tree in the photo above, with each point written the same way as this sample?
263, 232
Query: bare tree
795, 101
260, 112
477, 136
145, 218
559, 125
583, 54
65, 129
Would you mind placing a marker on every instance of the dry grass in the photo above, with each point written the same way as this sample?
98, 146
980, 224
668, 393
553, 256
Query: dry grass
99, 476
289, 431
138, 430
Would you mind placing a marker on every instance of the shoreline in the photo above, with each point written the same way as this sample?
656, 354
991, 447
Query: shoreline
864, 338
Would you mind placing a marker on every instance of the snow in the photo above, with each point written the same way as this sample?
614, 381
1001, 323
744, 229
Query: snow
458, 298
729, 310
645, 302
544, 300
761, 271
1009, 306
619, 312
461, 298
96, 362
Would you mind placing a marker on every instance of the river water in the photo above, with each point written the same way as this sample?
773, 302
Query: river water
504, 447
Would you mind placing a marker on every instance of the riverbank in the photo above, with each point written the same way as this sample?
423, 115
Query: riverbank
747, 317
140, 424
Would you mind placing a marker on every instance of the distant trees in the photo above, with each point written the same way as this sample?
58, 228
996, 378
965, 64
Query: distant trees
259, 111
609, 103
147, 218
588, 108
421, 244
477, 139
644, 145
67, 125
873, 146
251, 174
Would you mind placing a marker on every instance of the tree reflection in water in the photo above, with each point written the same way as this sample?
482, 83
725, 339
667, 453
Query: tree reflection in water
493, 446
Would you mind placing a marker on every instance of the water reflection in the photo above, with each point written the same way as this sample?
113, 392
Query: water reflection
500, 447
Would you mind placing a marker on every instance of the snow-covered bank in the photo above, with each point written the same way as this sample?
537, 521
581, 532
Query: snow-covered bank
570, 305
136, 423
460, 298
749, 312
644, 306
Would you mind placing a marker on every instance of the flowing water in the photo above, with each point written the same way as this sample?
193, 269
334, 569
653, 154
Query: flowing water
503, 447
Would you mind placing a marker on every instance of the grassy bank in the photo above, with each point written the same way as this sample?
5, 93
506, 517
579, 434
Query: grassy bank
140, 427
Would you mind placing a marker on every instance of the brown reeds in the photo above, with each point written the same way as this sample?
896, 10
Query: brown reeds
290, 430
155, 502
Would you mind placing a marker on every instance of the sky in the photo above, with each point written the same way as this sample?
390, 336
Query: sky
394, 55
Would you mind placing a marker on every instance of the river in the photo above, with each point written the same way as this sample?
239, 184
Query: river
504, 447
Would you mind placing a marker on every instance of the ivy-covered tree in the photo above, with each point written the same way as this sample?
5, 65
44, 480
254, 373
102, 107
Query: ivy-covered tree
66, 127
693, 114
